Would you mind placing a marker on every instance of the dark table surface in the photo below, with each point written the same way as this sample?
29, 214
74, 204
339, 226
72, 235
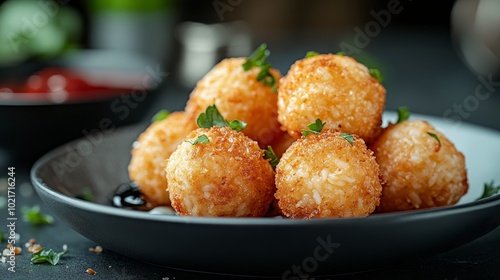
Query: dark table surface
422, 70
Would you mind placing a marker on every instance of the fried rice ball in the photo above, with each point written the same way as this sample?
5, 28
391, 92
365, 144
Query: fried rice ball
239, 96
153, 147
227, 176
420, 171
336, 89
324, 175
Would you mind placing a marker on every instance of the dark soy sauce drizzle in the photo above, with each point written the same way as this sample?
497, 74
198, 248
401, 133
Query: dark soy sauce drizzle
128, 196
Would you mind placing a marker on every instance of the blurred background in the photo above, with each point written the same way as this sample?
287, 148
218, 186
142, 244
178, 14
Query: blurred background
71, 69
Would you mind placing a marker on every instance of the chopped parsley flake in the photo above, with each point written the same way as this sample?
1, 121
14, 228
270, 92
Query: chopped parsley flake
314, 127
375, 73
433, 135
348, 137
34, 217
273, 159
490, 190
44, 256
258, 59
311, 54
202, 139
403, 114
161, 115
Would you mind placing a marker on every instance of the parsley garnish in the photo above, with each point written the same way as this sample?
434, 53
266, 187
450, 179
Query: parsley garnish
2, 237
433, 135
314, 127
375, 73
212, 117
348, 137
161, 115
340, 53
311, 54
44, 256
237, 125
86, 195
202, 139
403, 114
490, 190
258, 59
271, 156
34, 217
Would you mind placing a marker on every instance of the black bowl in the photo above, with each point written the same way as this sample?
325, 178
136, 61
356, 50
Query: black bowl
33, 124
262, 246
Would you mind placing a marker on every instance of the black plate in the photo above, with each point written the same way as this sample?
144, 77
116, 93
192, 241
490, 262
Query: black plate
262, 246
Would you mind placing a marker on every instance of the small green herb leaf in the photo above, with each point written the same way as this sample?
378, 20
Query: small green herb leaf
2, 237
86, 195
403, 114
258, 59
433, 135
44, 256
314, 127
340, 53
211, 117
490, 190
375, 73
237, 125
202, 139
161, 115
35, 218
311, 54
348, 137
271, 156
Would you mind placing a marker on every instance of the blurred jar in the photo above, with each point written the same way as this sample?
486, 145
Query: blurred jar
476, 31
144, 26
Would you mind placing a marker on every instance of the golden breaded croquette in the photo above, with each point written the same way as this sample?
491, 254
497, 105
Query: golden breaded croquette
239, 95
153, 147
324, 175
420, 171
336, 89
227, 176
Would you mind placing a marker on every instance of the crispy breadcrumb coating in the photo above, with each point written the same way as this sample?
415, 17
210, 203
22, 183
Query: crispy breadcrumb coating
238, 95
420, 172
226, 177
153, 147
336, 89
324, 175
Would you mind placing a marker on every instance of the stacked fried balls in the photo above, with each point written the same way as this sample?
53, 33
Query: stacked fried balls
251, 143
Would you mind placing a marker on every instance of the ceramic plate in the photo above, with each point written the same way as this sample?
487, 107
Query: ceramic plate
263, 246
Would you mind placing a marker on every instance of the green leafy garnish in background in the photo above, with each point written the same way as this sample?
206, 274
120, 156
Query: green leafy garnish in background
403, 114
34, 217
433, 135
311, 54
271, 156
348, 137
2, 237
490, 190
161, 115
212, 117
44, 256
314, 127
375, 73
258, 59
340, 53
86, 195
202, 139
